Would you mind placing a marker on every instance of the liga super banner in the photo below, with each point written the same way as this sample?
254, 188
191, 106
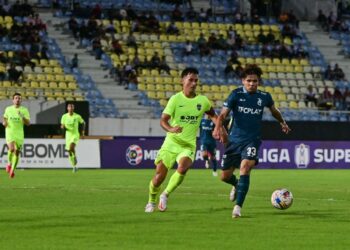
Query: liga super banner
51, 153
140, 153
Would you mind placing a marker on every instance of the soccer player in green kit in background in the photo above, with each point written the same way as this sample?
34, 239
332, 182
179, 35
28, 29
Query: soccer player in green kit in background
70, 122
181, 119
15, 117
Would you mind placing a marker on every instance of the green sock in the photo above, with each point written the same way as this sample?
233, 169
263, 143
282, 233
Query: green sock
174, 182
14, 162
9, 156
153, 191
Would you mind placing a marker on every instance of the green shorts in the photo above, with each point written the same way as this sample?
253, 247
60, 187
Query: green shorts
169, 153
18, 141
70, 140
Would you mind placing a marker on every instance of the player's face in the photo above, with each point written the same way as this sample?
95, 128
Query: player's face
251, 83
190, 83
70, 108
17, 99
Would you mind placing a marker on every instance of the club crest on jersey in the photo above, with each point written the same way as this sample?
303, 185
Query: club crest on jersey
259, 101
199, 107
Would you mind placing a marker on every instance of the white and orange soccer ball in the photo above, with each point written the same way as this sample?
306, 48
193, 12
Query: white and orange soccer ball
282, 198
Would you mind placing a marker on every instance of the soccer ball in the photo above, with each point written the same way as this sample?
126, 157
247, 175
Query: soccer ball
282, 198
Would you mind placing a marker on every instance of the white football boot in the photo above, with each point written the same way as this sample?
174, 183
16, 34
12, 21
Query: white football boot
233, 194
150, 207
236, 213
163, 199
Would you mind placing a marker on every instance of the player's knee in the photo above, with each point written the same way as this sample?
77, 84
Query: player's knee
245, 169
182, 169
225, 177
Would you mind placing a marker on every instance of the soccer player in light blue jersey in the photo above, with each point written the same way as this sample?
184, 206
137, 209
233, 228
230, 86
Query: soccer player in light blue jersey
247, 104
208, 143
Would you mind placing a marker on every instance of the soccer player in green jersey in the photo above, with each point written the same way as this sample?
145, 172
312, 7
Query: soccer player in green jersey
181, 119
15, 117
70, 123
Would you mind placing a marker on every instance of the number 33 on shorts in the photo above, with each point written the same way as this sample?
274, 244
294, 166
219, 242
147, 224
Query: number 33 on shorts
251, 151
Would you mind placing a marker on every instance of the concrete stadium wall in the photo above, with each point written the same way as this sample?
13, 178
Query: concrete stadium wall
308, 10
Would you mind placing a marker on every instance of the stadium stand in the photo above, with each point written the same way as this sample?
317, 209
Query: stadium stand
291, 63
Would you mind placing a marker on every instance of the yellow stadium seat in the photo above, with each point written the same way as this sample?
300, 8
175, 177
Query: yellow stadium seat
206, 88
277, 90
72, 85
163, 102
34, 84
177, 87
160, 95
160, 87
169, 87
43, 85
224, 89
214, 88
53, 85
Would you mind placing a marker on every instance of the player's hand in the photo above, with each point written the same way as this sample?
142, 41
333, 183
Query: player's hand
5, 123
285, 127
176, 130
223, 136
216, 133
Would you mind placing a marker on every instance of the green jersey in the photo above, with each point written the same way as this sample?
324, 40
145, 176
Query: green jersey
14, 130
71, 123
186, 113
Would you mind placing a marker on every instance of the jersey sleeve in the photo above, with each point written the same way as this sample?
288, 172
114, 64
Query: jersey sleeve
170, 107
230, 101
81, 120
6, 113
269, 100
26, 114
63, 119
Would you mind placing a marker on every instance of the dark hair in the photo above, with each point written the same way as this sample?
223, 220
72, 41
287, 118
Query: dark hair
16, 94
251, 69
189, 70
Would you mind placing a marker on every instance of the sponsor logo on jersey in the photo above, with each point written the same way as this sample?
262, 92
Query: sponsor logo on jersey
259, 102
191, 119
251, 111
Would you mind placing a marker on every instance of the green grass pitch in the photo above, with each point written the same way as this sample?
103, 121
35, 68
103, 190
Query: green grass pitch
104, 209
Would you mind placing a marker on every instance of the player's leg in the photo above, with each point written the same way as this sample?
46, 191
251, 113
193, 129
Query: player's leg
243, 185
212, 157
249, 160
15, 158
10, 154
164, 161
205, 156
72, 156
175, 180
156, 182
230, 160
185, 160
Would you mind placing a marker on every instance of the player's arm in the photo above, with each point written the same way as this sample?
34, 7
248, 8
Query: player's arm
164, 123
220, 132
4, 122
276, 113
83, 126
